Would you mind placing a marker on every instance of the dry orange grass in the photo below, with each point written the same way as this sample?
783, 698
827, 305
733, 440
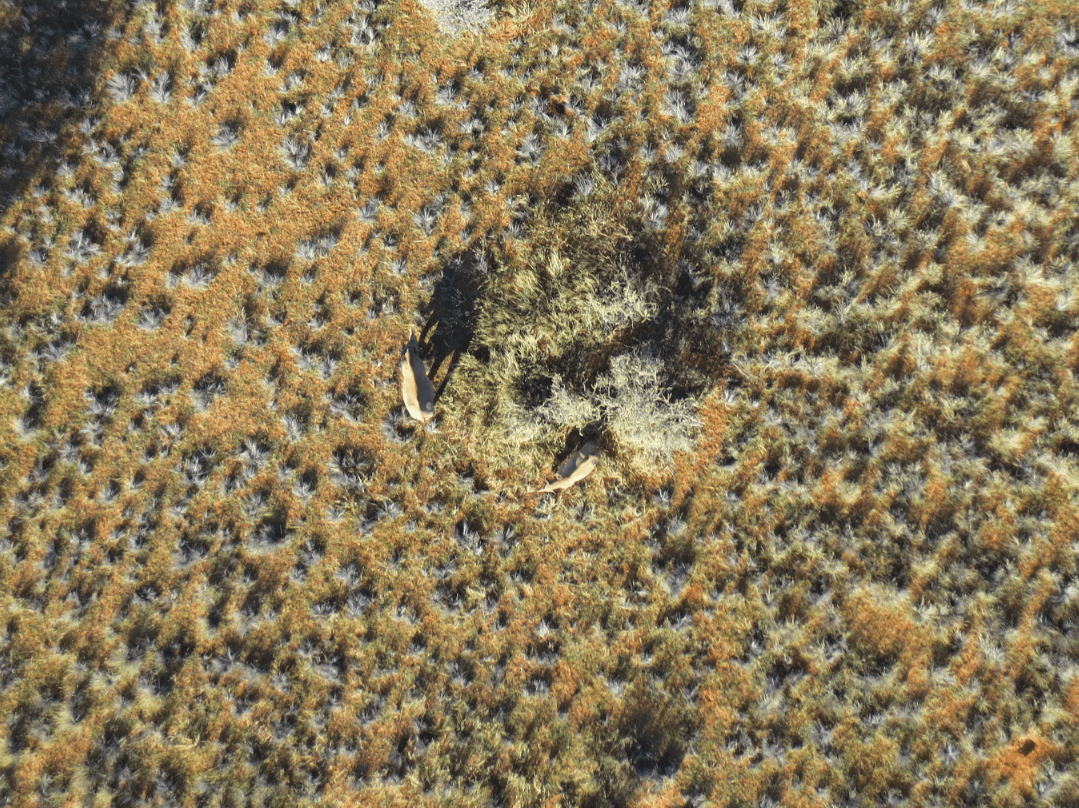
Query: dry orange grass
233, 572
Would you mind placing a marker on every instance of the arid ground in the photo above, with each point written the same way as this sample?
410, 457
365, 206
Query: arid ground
805, 272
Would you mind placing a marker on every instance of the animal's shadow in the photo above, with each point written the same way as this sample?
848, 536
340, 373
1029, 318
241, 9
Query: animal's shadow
451, 315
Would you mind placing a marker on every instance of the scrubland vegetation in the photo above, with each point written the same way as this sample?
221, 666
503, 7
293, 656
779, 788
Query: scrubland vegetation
805, 271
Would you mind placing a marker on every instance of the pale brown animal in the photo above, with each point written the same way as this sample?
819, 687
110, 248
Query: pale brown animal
577, 466
416, 389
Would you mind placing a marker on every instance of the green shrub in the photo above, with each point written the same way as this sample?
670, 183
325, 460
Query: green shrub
633, 402
586, 332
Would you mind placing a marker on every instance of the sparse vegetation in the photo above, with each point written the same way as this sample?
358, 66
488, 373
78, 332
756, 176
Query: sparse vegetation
804, 273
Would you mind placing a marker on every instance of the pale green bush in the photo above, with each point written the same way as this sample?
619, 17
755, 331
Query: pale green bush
633, 402
584, 333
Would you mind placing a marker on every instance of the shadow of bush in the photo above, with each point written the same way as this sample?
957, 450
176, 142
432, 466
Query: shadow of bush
50, 57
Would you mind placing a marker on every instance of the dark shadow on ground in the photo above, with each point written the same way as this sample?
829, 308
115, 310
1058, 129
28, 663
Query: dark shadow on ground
50, 55
451, 315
